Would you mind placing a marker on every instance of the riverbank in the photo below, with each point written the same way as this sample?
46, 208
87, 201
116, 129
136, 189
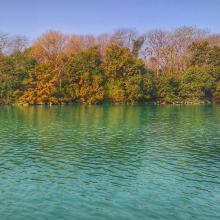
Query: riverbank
116, 104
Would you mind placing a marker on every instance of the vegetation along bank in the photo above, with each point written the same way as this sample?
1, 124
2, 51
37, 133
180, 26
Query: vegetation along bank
180, 66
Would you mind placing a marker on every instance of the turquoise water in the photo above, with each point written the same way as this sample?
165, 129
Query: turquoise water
110, 163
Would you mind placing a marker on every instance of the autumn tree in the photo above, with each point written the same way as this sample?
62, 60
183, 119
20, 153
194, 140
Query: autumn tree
85, 77
41, 87
79, 43
50, 49
126, 76
178, 66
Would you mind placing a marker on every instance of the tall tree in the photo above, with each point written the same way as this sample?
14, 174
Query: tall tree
125, 76
13, 72
50, 49
85, 78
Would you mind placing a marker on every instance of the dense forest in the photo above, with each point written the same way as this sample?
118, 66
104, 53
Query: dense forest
170, 67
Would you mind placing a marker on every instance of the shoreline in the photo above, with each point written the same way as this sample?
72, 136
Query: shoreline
114, 104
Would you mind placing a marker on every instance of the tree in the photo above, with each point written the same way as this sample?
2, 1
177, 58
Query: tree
169, 50
180, 41
203, 53
79, 43
168, 88
17, 44
3, 41
197, 84
125, 76
42, 87
85, 78
156, 43
213, 40
128, 38
137, 45
50, 49
124, 38
13, 71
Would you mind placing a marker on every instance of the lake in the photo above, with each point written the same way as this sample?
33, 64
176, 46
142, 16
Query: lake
110, 162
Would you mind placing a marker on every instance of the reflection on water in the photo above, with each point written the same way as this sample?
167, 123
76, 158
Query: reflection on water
110, 162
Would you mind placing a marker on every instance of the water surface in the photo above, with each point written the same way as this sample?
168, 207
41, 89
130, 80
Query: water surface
110, 163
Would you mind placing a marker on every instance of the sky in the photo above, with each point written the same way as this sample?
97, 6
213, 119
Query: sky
33, 17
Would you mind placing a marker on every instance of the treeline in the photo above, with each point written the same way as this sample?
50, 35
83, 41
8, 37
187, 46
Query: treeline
180, 66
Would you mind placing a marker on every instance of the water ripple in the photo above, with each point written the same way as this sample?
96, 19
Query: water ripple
110, 162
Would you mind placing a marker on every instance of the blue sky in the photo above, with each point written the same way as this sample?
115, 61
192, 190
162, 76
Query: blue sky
33, 17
